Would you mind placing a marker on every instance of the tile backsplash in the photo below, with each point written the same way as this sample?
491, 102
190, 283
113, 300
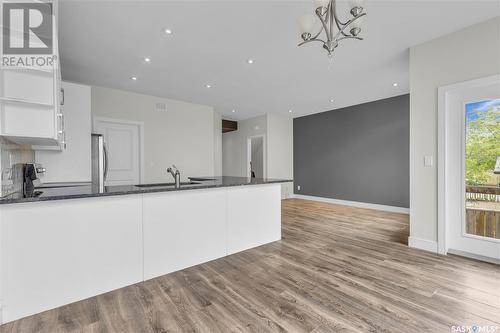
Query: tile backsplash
11, 154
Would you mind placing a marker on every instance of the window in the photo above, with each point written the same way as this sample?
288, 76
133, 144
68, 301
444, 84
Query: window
482, 168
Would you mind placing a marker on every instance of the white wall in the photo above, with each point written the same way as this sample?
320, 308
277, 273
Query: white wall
184, 135
234, 145
278, 131
280, 150
467, 54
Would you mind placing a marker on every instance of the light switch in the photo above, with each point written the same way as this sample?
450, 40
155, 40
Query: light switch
428, 162
298, 187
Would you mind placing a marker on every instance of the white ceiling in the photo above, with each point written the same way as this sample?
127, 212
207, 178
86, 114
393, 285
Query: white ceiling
104, 42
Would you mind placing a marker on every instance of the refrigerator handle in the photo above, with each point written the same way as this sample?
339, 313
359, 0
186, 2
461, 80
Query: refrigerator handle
105, 161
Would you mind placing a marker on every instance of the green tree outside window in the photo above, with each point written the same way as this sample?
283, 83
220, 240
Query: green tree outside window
482, 142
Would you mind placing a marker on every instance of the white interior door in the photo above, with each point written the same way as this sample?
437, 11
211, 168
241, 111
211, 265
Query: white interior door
122, 142
469, 207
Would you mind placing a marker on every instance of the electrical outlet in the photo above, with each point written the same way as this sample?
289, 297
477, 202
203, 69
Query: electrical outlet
298, 187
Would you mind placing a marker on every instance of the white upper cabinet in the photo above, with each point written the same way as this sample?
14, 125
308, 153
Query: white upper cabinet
31, 96
74, 164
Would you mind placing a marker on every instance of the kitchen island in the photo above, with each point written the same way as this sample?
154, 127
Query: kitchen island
70, 243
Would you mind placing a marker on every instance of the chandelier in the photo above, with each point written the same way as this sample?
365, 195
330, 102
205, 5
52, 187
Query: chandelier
335, 29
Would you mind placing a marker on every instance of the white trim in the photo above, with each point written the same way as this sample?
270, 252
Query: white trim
441, 161
443, 93
474, 256
139, 124
358, 204
423, 244
478, 237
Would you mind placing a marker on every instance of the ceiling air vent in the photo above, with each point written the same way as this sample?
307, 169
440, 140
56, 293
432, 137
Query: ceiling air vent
161, 107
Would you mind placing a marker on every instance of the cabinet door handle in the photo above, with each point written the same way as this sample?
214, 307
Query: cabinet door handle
61, 125
63, 142
62, 96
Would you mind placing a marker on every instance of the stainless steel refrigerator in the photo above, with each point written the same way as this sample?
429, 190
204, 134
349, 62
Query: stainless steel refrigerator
99, 161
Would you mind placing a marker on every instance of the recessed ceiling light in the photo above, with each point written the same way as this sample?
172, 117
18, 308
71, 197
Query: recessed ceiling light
395, 84
332, 100
133, 78
208, 86
168, 31
250, 61
290, 111
233, 111
147, 59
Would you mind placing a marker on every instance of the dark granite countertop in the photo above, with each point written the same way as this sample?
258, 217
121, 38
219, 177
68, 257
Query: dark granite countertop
62, 192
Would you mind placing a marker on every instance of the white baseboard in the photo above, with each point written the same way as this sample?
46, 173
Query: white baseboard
384, 208
474, 256
423, 244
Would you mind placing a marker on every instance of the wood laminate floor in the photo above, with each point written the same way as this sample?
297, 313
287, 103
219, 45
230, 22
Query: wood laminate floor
337, 269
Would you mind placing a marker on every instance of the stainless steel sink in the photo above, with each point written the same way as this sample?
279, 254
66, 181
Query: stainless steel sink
60, 185
199, 179
165, 184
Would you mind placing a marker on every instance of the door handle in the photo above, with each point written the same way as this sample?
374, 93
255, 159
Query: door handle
105, 150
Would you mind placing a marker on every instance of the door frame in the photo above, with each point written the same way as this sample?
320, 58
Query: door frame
139, 124
264, 153
444, 112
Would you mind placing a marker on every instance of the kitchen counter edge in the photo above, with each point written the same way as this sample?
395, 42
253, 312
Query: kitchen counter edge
132, 189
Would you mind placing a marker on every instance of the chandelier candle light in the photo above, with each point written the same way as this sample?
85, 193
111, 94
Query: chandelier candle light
335, 30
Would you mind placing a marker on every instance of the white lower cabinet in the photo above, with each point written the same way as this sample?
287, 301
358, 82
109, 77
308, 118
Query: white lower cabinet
183, 229
55, 253
253, 216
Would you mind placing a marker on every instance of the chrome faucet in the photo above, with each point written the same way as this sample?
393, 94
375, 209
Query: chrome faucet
176, 175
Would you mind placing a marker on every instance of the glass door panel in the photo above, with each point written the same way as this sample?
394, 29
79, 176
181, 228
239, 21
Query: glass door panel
482, 169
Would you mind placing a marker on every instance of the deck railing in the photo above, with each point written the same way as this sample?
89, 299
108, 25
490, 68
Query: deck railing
483, 211
483, 193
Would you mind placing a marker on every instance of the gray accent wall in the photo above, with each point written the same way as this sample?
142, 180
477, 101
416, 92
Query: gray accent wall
358, 153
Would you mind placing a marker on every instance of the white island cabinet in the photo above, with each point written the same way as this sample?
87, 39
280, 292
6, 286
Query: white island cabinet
183, 229
252, 216
61, 251
58, 252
